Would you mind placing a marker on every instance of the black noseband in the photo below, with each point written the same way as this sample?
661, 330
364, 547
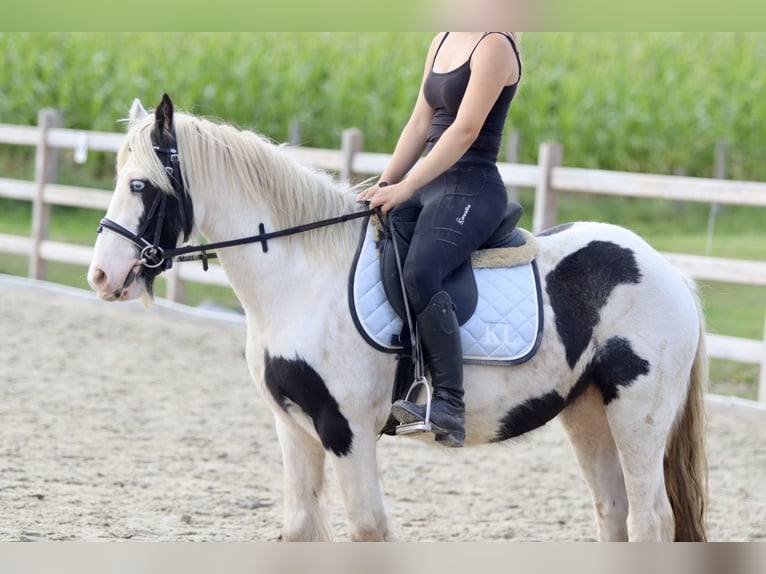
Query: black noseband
152, 256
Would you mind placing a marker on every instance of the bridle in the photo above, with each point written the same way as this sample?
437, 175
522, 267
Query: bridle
156, 259
151, 254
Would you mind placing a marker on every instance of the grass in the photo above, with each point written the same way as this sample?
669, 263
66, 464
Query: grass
735, 310
730, 378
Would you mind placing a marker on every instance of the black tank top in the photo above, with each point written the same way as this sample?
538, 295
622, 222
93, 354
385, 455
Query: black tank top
444, 92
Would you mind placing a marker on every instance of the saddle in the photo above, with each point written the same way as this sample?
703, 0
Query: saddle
497, 293
461, 284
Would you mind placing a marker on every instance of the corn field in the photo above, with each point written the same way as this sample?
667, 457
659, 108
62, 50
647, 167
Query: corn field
652, 102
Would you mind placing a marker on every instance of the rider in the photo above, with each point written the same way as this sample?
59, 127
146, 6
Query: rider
455, 193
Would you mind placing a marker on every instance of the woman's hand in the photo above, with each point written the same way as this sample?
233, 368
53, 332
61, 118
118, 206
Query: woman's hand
367, 194
386, 196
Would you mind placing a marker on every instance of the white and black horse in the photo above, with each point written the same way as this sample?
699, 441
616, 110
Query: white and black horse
621, 359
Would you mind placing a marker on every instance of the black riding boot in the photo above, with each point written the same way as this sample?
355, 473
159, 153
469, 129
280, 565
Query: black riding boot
440, 334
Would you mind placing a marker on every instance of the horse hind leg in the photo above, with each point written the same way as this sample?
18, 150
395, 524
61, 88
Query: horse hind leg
641, 401
661, 445
591, 438
642, 447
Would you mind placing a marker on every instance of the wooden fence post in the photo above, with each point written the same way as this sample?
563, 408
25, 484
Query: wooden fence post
294, 133
546, 198
512, 156
174, 285
46, 168
719, 172
352, 142
762, 377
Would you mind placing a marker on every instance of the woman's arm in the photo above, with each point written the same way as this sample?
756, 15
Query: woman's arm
493, 65
412, 140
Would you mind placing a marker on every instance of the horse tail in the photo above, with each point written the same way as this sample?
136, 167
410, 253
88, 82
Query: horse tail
685, 457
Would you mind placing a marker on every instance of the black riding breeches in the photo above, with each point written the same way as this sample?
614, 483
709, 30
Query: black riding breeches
452, 216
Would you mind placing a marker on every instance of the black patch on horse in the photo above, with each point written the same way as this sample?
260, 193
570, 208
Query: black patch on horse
555, 229
615, 365
580, 286
171, 226
166, 216
529, 415
294, 380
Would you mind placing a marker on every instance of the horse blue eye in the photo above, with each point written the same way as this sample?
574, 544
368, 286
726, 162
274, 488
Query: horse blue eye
137, 185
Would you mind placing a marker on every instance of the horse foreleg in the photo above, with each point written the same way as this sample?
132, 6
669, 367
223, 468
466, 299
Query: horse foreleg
591, 438
357, 474
303, 461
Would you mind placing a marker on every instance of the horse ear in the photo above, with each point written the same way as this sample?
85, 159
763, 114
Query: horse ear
163, 115
137, 112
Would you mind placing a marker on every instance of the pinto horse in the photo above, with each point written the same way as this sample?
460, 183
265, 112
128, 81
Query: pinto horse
621, 360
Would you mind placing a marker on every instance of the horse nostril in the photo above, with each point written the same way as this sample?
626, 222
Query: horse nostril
99, 278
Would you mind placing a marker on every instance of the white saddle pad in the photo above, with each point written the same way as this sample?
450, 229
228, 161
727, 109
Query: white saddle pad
505, 329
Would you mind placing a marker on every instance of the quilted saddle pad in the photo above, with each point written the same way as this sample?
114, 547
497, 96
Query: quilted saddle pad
505, 329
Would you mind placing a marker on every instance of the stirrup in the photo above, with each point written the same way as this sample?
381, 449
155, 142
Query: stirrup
419, 426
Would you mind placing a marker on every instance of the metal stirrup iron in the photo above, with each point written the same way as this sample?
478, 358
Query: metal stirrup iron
420, 379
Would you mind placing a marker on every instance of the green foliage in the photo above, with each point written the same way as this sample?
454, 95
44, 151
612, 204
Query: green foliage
648, 102
327, 81
651, 102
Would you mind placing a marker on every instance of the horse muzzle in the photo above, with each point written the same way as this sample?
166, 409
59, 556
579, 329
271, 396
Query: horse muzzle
116, 286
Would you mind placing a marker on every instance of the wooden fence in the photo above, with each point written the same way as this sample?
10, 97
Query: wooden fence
548, 178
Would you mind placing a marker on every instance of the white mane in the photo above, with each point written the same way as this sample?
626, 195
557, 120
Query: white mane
291, 192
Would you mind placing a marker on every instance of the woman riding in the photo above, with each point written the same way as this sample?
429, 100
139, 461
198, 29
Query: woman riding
454, 194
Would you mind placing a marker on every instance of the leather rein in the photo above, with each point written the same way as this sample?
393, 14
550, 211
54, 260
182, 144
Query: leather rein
154, 257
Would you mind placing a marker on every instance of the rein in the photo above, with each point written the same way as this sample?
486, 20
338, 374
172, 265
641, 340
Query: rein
153, 256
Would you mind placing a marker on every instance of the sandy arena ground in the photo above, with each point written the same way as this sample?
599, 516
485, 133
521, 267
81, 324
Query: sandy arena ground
118, 423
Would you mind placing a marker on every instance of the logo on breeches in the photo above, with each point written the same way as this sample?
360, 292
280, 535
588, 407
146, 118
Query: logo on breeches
461, 220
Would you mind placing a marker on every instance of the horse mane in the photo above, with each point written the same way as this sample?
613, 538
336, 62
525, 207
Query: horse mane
218, 158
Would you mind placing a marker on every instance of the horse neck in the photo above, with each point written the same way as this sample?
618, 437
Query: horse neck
239, 173
276, 283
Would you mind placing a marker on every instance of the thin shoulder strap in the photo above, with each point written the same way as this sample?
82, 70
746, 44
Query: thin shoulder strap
477, 44
515, 49
439, 47
510, 39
